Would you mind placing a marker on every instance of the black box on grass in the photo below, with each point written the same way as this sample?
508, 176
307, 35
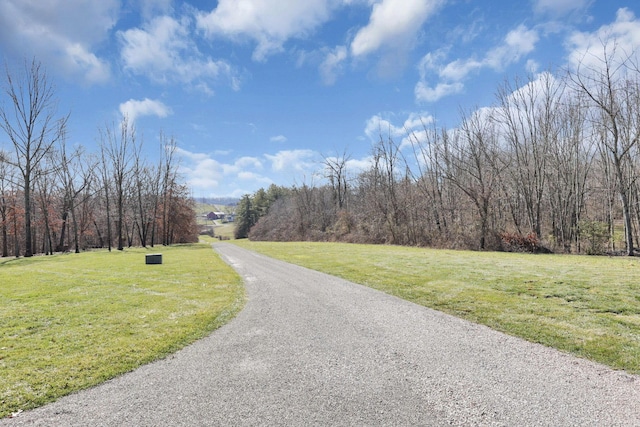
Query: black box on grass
153, 259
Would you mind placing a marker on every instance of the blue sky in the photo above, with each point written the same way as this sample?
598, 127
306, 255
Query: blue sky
258, 91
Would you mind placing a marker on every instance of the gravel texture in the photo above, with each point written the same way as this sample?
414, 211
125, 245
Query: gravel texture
311, 349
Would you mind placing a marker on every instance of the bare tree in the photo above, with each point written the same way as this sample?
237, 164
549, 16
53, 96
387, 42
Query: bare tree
570, 165
471, 164
610, 81
46, 195
31, 123
168, 170
118, 148
427, 148
4, 202
145, 179
386, 169
76, 175
526, 113
105, 178
336, 172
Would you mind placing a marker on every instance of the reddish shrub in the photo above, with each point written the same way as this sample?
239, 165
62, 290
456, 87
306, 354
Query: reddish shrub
516, 242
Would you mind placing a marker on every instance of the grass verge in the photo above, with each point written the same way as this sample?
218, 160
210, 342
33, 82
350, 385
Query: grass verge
68, 322
588, 306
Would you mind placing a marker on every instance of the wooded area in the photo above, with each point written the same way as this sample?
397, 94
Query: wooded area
554, 165
55, 197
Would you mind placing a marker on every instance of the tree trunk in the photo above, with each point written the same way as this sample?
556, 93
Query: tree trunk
28, 250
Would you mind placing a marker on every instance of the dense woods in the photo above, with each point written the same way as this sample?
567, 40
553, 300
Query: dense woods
57, 197
553, 164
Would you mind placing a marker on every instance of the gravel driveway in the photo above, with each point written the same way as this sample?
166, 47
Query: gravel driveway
311, 349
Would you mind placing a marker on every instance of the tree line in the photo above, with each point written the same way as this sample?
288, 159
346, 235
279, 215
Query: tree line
56, 197
552, 165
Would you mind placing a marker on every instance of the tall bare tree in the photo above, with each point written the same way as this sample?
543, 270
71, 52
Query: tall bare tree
526, 114
118, 148
47, 192
611, 81
76, 175
4, 203
33, 126
336, 172
168, 170
428, 174
388, 164
471, 164
570, 164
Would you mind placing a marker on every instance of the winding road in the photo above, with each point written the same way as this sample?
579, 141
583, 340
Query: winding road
312, 349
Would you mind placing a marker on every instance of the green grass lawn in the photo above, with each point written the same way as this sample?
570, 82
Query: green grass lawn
588, 306
226, 230
71, 321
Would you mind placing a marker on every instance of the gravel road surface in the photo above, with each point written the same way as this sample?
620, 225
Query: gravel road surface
311, 349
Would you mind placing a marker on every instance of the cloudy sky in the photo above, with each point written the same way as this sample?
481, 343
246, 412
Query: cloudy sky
258, 91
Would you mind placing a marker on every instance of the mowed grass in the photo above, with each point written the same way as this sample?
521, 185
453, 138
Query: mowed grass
588, 306
68, 322
225, 230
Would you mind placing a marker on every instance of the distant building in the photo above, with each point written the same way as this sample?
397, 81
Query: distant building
212, 216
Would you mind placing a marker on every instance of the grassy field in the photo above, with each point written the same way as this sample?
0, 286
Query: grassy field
588, 306
71, 321
225, 230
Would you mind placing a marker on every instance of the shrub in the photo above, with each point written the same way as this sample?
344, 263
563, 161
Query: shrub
516, 242
596, 233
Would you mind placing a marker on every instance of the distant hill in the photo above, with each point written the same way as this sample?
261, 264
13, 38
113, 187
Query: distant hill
227, 201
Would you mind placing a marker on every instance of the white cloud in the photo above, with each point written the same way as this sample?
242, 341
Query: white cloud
269, 23
293, 160
620, 38
203, 174
133, 109
60, 33
392, 23
356, 166
459, 69
149, 8
163, 50
246, 162
417, 121
516, 44
541, 83
254, 177
279, 139
79, 60
559, 8
155, 48
353, 167
393, 26
332, 65
378, 127
424, 93
209, 176
532, 66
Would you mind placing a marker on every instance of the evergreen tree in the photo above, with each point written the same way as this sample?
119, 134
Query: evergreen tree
246, 217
